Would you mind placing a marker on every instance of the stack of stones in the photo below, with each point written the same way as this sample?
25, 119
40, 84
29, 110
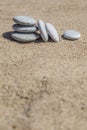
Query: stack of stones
27, 29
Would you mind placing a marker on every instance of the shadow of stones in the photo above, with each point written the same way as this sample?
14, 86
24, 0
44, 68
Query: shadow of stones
7, 35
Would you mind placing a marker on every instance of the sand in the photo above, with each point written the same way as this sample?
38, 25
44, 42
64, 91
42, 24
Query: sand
43, 86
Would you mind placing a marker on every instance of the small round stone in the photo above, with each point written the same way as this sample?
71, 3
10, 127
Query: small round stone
24, 20
25, 37
43, 32
52, 32
24, 29
71, 35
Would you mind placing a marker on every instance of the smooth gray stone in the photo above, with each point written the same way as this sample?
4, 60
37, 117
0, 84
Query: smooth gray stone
25, 37
43, 32
52, 32
24, 20
24, 29
71, 35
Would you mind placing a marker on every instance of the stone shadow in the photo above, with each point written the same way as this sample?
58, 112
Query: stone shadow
7, 35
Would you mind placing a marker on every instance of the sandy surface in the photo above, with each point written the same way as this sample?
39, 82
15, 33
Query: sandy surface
43, 86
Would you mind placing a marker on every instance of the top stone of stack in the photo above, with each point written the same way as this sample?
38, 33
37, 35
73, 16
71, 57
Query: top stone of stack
25, 20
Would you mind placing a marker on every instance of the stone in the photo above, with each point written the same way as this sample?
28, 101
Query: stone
71, 35
52, 32
25, 37
24, 29
24, 20
43, 32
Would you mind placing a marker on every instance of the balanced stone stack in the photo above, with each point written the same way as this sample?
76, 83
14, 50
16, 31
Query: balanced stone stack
25, 30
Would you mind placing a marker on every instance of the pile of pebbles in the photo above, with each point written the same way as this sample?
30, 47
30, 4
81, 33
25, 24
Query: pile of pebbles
27, 29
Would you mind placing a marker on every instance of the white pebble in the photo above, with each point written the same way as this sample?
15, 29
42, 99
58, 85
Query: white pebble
25, 20
71, 35
43, 31
25, 37
24, 29
52, 32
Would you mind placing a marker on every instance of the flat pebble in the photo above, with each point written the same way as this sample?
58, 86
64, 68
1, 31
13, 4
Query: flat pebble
71, 35
25, 37
43, 32
24, 20
52, 32
24, 29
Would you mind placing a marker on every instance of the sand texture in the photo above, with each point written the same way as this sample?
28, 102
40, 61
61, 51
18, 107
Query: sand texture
43, 86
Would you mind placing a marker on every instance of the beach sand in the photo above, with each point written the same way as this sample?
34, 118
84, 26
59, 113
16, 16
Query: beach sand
43, 86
